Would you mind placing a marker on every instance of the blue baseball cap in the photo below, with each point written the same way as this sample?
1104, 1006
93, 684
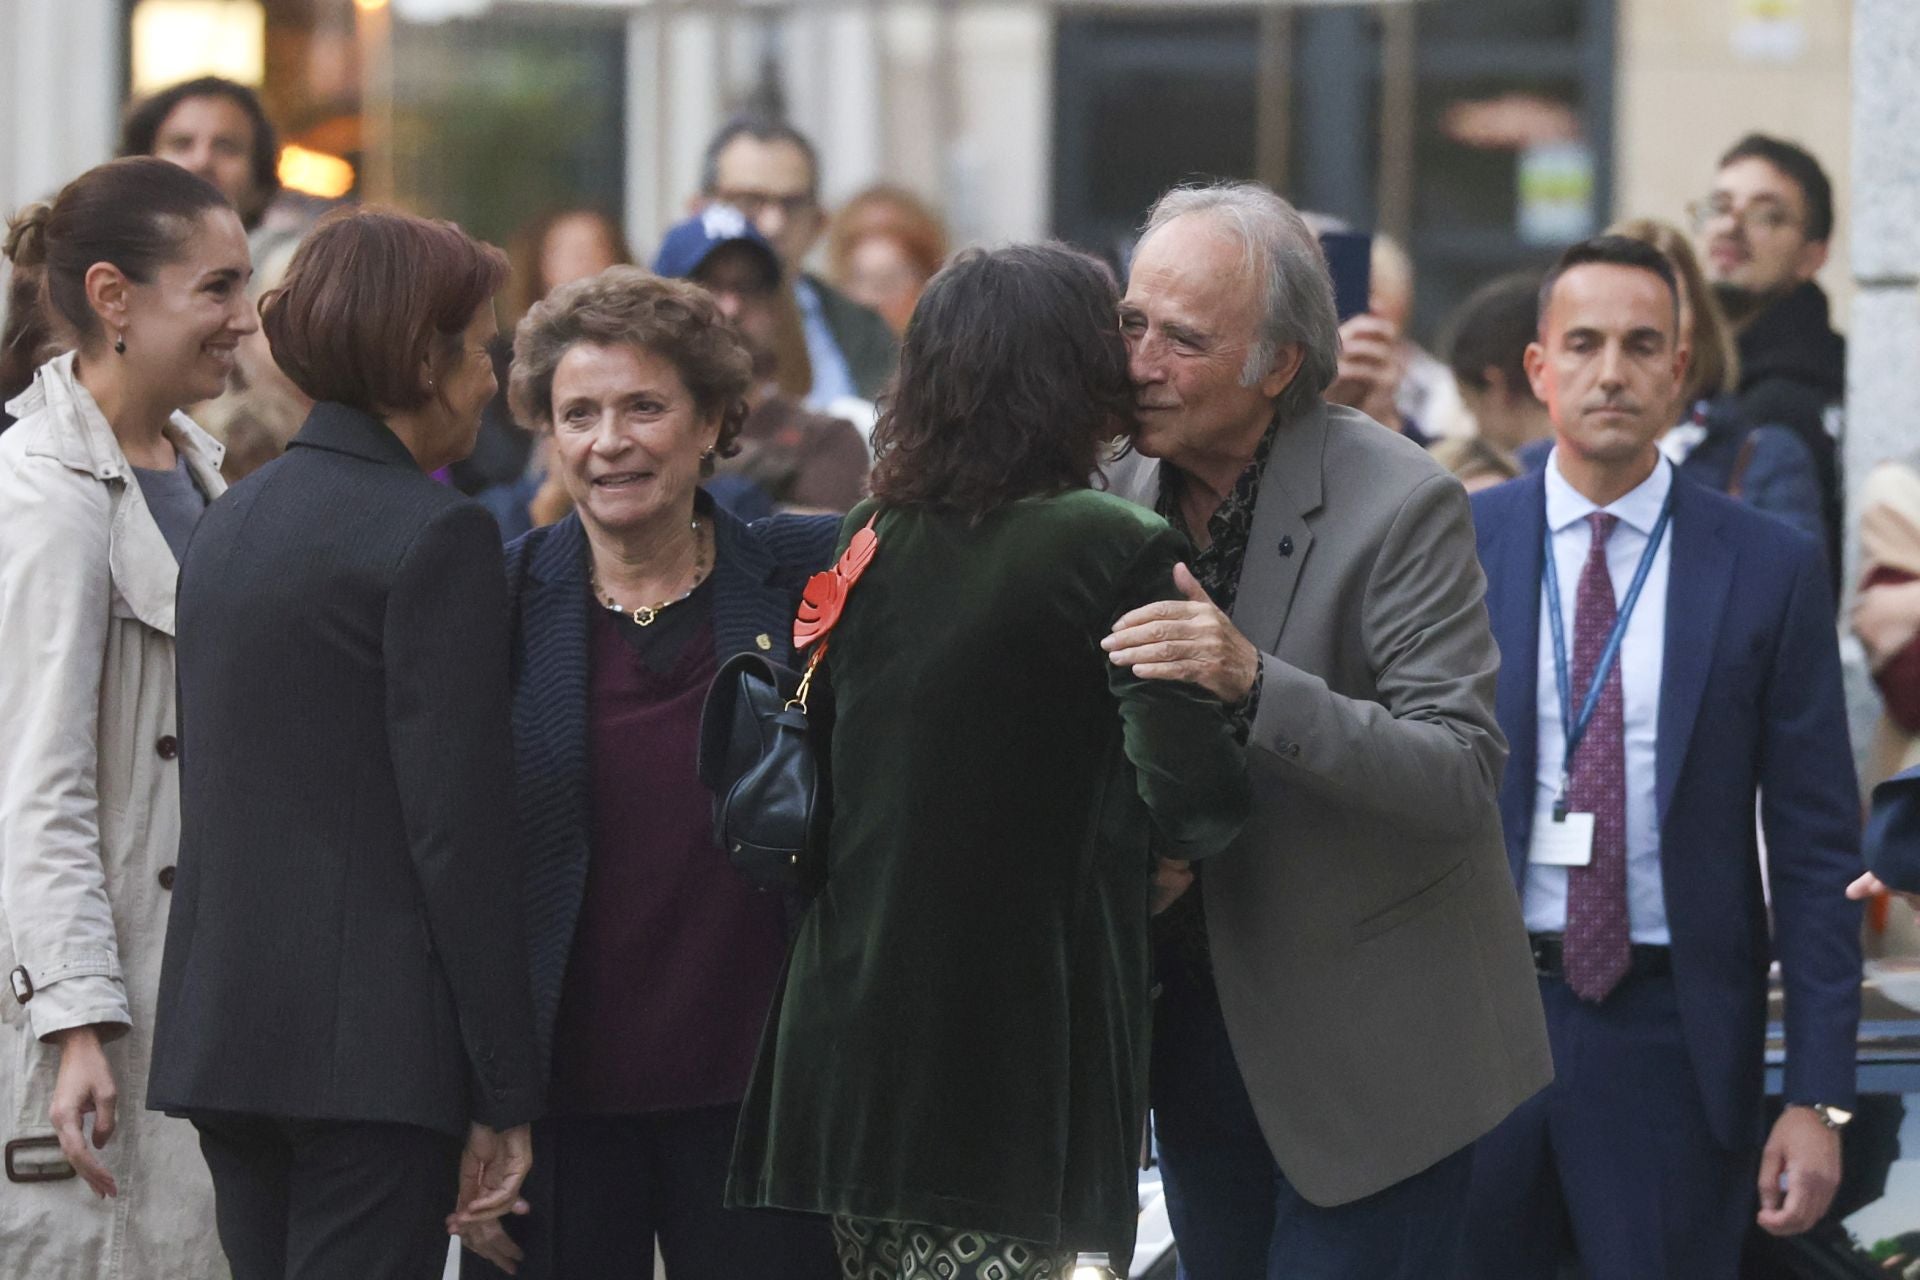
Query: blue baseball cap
690, 243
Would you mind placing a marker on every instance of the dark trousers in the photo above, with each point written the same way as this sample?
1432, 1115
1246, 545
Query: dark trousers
1235, 1215
324, 1200
1614, 1160
621, 1183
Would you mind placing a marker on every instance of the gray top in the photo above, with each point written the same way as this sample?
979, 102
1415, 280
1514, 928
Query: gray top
175, 499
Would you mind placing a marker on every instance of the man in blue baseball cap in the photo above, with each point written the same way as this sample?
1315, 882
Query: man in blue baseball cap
791, 458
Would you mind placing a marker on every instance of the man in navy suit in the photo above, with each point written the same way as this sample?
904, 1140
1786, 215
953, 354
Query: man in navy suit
1668, 656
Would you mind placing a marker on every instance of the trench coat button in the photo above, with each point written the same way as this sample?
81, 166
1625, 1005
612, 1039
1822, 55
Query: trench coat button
166, 879
1293, 749
1286, 546
168, 746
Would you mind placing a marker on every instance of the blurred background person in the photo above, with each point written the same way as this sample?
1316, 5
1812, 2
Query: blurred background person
956, 1071
344, 996
1426, 396
790, 458
1764, 230
506, 467
217, 129
101, 483
1486, 344
882, 248
769, 171
654, 961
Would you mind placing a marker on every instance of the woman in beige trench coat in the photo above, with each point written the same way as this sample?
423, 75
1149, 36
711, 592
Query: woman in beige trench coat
100, 481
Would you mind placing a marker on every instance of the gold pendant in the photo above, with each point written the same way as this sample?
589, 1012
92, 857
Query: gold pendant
645, 615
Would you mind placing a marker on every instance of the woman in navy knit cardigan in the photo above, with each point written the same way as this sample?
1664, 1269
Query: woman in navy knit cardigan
653, 961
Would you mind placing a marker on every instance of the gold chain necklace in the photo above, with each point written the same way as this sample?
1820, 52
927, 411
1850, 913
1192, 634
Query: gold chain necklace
645, 614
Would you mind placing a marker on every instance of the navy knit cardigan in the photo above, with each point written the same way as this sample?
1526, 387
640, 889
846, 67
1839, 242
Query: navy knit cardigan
758, 572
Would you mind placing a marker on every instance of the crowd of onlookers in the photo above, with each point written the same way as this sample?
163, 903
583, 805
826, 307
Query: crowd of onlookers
1464, 672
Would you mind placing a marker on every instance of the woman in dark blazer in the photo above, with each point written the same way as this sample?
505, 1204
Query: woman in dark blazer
341, 998
653, 961
956, 1071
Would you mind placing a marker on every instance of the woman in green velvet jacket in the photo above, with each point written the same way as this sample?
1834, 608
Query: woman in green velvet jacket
957, 1062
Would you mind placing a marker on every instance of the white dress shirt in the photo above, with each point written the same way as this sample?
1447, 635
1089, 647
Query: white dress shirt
1642, 653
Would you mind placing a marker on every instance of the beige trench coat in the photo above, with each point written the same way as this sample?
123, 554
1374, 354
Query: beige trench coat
89, 827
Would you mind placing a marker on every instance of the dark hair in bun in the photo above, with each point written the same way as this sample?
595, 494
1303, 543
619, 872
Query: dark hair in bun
134, 214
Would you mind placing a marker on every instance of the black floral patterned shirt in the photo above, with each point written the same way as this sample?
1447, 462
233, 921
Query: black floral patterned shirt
1181, 929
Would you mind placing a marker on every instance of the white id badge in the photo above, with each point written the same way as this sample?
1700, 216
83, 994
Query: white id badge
1566, 843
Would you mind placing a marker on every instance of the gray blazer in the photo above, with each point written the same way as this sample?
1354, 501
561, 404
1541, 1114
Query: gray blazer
1367, 942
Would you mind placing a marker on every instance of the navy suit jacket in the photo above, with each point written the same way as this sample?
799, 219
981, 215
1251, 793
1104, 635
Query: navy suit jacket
1750, 701
758, 573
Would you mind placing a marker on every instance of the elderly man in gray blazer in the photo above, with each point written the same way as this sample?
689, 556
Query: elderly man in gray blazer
1349, 996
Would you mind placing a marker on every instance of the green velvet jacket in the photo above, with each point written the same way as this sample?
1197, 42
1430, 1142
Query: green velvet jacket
961, 1036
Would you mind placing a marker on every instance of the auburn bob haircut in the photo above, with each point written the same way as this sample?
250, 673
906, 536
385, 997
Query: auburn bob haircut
375, 305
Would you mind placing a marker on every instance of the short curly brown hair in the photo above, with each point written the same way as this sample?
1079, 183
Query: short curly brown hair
626, 306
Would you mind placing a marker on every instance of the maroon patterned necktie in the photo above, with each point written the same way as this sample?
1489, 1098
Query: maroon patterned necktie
1596, 950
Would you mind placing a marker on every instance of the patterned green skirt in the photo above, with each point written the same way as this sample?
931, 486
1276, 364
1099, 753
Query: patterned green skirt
871, 1250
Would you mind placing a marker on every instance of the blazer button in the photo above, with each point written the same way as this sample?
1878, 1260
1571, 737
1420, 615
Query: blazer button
1286, 546
166, 879
168, 746
1292, 749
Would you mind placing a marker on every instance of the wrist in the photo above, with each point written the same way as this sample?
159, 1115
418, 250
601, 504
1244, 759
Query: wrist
1835, 1118
85, 1036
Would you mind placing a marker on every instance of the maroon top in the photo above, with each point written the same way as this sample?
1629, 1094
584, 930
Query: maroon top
675, 957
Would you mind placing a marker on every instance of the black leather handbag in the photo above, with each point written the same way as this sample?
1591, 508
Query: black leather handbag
763, 750
760, 758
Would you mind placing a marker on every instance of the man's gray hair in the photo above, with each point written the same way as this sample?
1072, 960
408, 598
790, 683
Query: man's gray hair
1298, 293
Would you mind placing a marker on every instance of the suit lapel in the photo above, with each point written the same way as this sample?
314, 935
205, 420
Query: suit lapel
1514, 558
1290, 491
1699, 577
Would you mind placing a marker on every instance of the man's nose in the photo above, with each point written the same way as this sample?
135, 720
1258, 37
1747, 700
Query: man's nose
771, 220
1612, 366
1142, 367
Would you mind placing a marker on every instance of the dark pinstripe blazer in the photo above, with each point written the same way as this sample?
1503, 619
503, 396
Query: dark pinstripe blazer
759, 570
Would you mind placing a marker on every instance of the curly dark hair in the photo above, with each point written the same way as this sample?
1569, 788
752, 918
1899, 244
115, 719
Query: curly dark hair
626, 306
1013, 375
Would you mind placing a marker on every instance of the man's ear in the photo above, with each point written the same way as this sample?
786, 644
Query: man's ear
1812, 257
1536, 363
1286, 367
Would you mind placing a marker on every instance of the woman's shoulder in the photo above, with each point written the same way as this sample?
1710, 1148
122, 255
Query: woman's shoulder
798, 541
1095, 521
37, 483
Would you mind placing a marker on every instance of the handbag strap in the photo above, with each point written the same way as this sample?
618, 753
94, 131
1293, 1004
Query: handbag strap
823, 599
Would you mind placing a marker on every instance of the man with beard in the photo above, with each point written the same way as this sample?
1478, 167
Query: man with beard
1763, 232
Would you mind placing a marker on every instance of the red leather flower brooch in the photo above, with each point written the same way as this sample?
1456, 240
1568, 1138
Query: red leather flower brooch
826, 592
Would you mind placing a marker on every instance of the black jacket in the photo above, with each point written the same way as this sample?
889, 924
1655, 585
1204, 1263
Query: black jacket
1793, 368
345, 940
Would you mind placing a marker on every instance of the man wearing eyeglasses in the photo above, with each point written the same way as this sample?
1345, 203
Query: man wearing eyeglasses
1763, 232
769, 171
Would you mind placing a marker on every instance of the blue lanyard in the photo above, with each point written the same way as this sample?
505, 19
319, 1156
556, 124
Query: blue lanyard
1576, 729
